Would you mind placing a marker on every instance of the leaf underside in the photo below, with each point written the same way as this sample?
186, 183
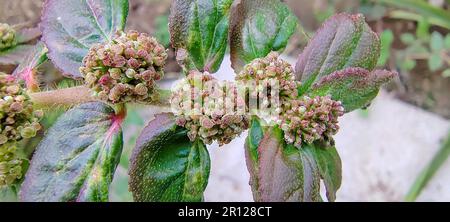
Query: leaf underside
166, 166
354, 87
71, 27
257, 28
77, 158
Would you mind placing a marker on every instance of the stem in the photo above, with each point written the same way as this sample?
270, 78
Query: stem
429, 171
81, 94
62, 97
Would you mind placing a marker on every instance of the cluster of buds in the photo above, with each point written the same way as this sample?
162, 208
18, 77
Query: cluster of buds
209, 109
7, 36
18, 120
311, 119
270, 83
126, 68
10, 165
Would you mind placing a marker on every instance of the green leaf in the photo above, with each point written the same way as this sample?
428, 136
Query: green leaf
447, 41
14, 55
422, 7
446, 73
423, 30
437, 42
413, 16
255, 135
258, 27
407, 38
387, 38
285, 173
166, 165
70, 28
435, 62
77, 158
409, 64
199, 32
354, 87
330, 168
161, 32
343, 41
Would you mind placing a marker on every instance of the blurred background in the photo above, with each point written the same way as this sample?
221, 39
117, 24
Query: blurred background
384, 149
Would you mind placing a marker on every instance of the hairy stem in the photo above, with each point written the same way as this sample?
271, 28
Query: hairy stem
81, 94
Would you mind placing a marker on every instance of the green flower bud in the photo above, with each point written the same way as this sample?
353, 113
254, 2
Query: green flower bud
10, 165
7, 36
209, 109
16, 110
119, 70
18, 120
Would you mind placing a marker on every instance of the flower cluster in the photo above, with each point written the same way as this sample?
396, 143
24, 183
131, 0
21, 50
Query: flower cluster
18, 120
209, 109
311, 119
126, 68
7, 36
10, 165
270, 83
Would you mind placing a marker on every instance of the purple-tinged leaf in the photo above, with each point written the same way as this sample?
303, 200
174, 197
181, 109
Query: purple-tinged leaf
258, 27
77, 158
354, 87
14, 55
70, 28
285, 173
27, 70
166, 165
199, 32
28, 34
330, 168
343, 41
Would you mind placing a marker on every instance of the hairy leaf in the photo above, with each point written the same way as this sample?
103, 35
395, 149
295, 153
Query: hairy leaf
27, 35
166, 165
354, 87
14, 55
285, 173
199, 32
71, 27
27, 69
77, 158
343, 41
330, 168
258, 27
